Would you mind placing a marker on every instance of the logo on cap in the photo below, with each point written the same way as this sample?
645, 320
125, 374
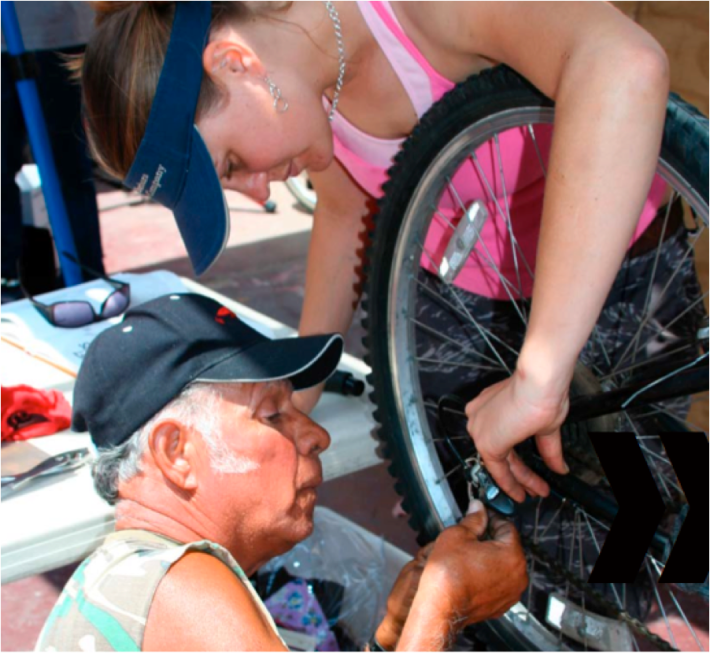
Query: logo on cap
222, 314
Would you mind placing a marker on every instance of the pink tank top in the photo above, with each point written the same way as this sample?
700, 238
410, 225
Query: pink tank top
368, 158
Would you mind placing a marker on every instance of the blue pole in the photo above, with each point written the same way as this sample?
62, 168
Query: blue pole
42, 151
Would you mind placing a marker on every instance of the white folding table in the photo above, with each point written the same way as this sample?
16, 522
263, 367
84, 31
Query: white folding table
60, 520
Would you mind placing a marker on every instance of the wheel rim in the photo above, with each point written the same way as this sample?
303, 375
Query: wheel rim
302, 191
414, 409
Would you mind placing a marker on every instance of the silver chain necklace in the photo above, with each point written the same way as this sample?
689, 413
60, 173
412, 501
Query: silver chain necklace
333, 13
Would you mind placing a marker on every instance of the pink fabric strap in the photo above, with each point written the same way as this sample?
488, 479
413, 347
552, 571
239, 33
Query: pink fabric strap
438, 83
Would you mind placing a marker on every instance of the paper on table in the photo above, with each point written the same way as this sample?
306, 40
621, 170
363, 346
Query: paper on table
22, 323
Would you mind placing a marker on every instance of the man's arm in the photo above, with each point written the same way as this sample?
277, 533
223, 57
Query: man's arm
200, 605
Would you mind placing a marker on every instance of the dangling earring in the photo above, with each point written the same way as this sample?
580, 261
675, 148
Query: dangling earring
280, 104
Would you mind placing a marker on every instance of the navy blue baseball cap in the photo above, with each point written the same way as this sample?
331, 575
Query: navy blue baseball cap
134, 368
173, 165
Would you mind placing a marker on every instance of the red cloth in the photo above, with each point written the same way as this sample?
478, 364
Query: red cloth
29, 413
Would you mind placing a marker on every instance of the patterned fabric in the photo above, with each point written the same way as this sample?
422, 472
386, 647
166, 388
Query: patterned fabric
105, 604
296, 607
455, 357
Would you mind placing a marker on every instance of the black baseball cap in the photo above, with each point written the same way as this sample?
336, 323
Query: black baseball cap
135, 368
173, 165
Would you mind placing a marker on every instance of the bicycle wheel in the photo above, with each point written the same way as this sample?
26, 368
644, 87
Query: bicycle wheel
303, 192
643, 370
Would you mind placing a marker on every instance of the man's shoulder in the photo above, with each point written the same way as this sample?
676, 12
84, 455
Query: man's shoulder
201, 603
200, 571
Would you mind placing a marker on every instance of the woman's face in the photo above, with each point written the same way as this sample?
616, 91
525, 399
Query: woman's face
253, 144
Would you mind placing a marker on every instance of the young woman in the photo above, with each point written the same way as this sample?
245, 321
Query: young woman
333, 88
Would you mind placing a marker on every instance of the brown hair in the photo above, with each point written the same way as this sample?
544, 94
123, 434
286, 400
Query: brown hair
121, 66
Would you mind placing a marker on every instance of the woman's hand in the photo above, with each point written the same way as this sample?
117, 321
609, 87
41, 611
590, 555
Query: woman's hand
509, 412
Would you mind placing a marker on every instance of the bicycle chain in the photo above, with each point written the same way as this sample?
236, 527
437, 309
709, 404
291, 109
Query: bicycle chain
633, 623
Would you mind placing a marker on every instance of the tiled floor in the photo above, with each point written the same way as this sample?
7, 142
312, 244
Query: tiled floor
264, 268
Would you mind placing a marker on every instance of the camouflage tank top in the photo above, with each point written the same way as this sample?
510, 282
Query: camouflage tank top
105, 604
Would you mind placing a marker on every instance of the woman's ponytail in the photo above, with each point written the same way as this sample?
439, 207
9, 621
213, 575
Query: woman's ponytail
121, 67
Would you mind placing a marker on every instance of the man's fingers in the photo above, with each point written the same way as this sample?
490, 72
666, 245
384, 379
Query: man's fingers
550, 447
423, 553
476, 519
503, 531
533, 483
503, 476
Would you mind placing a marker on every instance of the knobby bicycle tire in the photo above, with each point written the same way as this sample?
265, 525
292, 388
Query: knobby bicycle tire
685, 147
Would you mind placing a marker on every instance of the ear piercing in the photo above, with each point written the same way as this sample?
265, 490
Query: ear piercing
280, 104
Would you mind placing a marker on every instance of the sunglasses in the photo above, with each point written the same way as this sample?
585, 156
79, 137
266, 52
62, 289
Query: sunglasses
74, 314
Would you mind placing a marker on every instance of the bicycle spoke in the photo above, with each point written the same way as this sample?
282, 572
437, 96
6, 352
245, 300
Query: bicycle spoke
446, 408
483, 332
447, 438
439, 361
660, 605
504, 282
492, 195
650, 461
661, 410
449, 473
661, 295
547, 528
582, 575
464, 315
531, 587
598, 548
509, 220
680, 611
660, 331
659, 475
656, 258
605, 353
662, 379
650, 361
531, 131
467, 350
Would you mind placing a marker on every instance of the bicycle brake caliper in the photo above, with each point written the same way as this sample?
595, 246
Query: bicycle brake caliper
467, 233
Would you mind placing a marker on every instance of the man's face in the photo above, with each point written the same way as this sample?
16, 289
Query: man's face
272, 501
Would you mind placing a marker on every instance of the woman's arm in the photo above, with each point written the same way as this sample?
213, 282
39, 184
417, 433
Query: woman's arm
610, 80
333, 273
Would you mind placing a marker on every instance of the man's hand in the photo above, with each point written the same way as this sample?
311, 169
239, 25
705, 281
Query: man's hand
401, 598
508, 413
478, 579
465, 580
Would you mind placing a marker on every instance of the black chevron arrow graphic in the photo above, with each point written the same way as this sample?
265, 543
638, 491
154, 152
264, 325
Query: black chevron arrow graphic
688, 562
640, 508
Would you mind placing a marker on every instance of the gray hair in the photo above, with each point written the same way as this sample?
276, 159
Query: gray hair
196, 408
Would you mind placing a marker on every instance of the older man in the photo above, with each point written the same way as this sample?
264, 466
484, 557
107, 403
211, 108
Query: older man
214, 472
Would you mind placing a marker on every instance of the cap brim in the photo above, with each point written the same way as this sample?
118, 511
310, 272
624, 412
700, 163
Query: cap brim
305, 362
201, 213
